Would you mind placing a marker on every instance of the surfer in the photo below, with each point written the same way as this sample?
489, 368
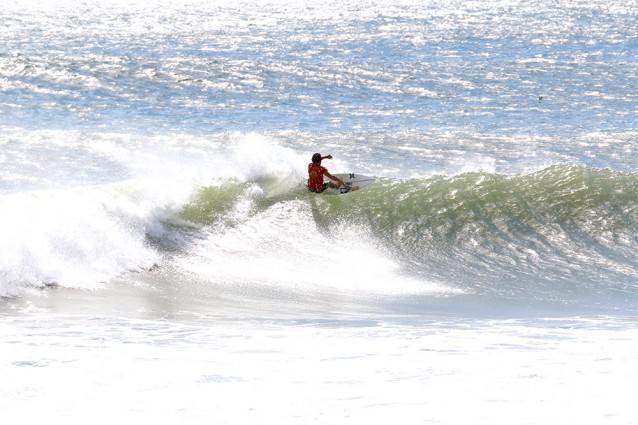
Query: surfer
316, 173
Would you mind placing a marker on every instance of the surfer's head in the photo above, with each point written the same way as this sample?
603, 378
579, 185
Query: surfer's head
316, 158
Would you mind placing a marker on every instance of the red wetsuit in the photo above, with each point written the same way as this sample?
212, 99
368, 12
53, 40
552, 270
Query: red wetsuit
315, 176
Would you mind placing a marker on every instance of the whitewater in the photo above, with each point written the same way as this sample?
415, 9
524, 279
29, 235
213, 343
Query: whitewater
161, 259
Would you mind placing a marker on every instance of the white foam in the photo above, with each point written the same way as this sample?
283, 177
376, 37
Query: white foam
470, 372
74, 230
286, 246
80, 237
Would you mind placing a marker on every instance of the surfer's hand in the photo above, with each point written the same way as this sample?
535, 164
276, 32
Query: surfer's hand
328, 157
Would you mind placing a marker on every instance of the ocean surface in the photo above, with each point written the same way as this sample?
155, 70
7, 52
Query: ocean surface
160, 259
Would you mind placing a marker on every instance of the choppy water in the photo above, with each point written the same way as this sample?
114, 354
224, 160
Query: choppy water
150, 160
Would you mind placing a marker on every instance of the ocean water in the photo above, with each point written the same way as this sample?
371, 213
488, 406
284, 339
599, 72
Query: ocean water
161, 260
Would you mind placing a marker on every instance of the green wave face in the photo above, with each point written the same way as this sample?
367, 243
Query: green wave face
565, 227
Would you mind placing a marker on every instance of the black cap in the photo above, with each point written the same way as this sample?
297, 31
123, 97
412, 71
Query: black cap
316, 158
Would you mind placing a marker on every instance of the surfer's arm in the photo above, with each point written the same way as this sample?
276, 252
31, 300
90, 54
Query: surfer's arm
331, 177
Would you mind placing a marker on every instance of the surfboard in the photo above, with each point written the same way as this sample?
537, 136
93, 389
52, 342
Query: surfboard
353, 182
